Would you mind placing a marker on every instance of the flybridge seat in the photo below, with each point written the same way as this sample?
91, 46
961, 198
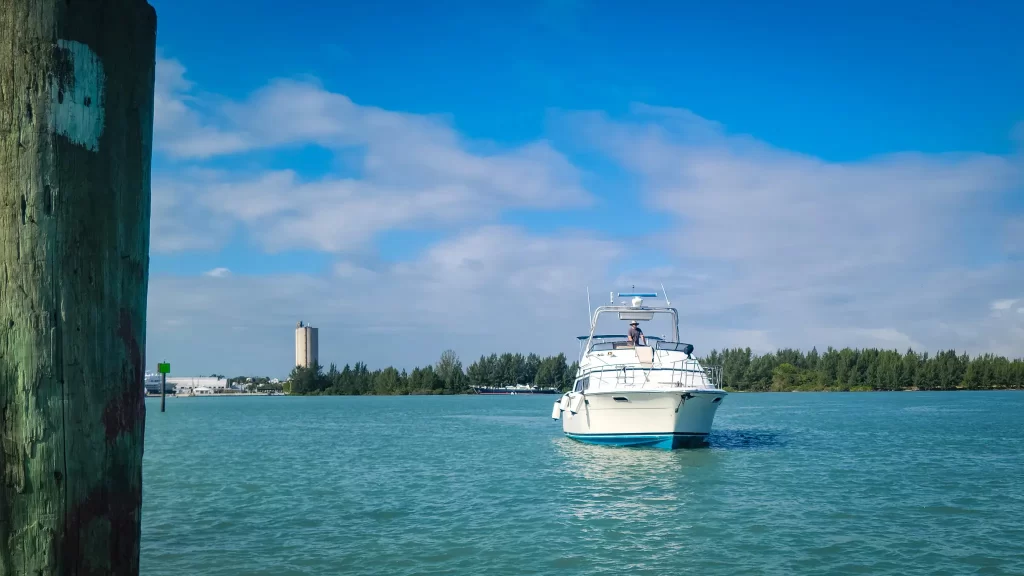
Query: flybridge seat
645, 355
614, 341
609, 336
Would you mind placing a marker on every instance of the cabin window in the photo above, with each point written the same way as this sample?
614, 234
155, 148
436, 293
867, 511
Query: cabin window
582, 384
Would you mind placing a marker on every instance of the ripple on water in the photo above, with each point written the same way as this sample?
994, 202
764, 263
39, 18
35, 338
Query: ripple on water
795, 483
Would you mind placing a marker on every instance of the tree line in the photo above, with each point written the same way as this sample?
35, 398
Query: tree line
785, 370
447, 376
863, 369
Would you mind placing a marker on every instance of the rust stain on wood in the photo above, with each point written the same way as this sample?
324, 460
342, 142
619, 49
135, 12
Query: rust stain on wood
124, 412
119, 509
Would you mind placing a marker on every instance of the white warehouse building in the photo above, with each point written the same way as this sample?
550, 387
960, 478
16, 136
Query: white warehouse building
184, 385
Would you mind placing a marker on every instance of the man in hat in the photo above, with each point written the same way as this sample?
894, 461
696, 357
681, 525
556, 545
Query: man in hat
635, 334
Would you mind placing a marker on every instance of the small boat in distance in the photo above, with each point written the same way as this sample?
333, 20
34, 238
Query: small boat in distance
652, 394
517, 389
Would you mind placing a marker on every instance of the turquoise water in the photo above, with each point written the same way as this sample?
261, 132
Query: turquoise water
872, 483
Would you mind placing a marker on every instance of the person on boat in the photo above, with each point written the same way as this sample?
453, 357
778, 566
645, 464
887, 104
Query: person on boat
635, 334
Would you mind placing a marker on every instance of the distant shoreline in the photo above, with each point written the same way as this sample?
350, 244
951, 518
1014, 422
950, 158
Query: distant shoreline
730, 391
858, 391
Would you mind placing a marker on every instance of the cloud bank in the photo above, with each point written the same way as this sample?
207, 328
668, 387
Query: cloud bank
894, 251
412, 171
764, 247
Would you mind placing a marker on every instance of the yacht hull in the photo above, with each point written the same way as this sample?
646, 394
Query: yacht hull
666, 419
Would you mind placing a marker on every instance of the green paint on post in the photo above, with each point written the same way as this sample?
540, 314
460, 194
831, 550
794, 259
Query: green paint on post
163, 368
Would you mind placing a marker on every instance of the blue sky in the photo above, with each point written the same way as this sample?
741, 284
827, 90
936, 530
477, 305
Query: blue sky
807, 173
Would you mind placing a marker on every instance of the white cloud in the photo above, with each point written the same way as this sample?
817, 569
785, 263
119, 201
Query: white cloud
218, 273
171, 88
493, 289
744, 200
1005, 304
415, 170
877, 252
179, 222
339, 215
178, 128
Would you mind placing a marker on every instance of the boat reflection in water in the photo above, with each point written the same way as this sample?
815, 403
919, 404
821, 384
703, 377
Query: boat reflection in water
623, 469
633, 484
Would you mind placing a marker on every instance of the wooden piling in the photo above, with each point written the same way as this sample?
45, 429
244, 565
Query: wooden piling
76, 118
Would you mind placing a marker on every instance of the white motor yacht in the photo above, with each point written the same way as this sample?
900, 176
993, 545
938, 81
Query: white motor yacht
651, 393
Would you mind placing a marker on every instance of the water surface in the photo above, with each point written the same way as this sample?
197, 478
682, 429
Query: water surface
872, 483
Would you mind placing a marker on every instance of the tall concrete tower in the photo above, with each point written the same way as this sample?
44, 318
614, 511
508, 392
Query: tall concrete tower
307, 352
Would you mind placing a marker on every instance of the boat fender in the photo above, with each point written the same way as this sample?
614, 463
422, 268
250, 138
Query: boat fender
556, 411
578, 405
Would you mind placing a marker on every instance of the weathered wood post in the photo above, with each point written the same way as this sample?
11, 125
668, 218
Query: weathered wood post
76, 118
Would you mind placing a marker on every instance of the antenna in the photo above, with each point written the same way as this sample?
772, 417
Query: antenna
667, 302
611, 297
590, 312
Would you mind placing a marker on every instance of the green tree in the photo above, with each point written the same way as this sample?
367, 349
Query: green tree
785, 377
569, 377
449, 371
309, 380
424, 381
531, 365
388, 381
479, 373
546, 377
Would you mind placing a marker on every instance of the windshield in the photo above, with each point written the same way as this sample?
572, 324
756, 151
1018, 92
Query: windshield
613, 324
